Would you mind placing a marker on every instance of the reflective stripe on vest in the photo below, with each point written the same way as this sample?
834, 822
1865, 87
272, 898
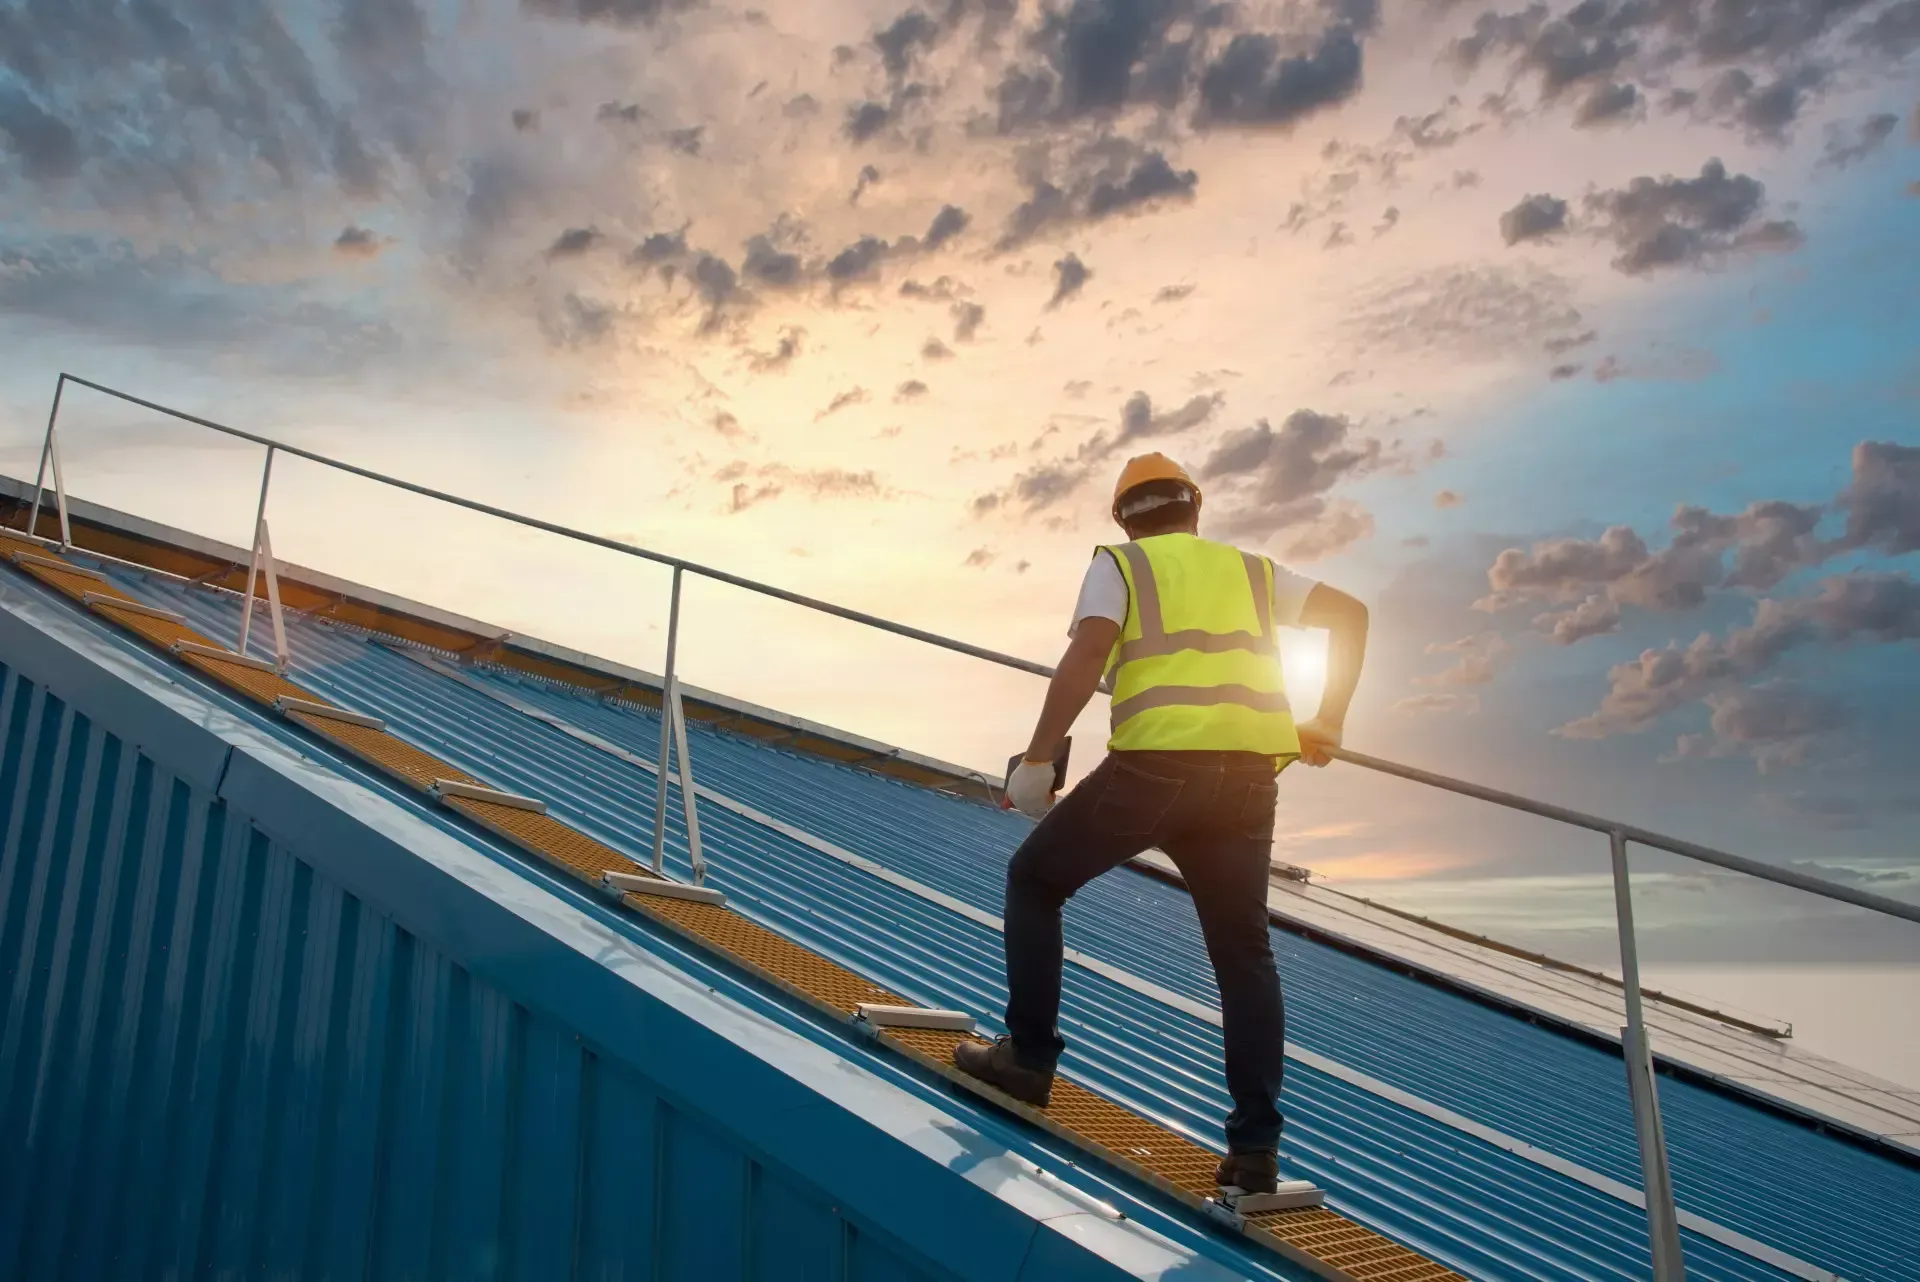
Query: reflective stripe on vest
1215, 688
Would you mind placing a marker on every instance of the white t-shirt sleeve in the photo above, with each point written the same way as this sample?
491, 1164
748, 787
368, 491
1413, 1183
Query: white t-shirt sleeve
1103, 593
1290, 589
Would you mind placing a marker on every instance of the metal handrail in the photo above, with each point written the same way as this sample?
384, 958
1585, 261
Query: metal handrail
1512, 801
1662, 1216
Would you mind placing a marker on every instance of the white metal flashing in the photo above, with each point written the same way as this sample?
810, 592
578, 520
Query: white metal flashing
226, 656
954, 1021
286, 703
49, 563
445, 788
98, 599
643, 885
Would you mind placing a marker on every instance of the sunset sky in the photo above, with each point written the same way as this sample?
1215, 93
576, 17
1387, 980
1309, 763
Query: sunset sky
1583, 342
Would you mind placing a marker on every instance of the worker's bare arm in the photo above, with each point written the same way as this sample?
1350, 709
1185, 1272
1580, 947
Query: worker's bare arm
1345, 619
1074, 682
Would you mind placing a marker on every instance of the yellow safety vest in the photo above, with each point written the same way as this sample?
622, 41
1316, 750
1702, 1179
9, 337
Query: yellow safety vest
1197, 666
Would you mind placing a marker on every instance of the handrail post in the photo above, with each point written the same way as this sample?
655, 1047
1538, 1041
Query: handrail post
253, 562
688, 803
666, 733
1663, 1222
46, 452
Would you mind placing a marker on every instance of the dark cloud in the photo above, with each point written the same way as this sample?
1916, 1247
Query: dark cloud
716, 282
1764, 113
1446, 499
1172, 293
978, 559
357, 242
1562, 345
967, 319
858, 261
1337, 236
1667, 222
935, 350
1276, 482
525, 120
767, 264
1609, 104
727, 425
869, 175
1535, 218
1046, 483
1070, 276
1894, 32
1561, 373
661, 247
616, 12
1252, 84
1434, 131
578, 322
686, 141
783, 352
45, 145
1846, 609
626, 113
1845, 146
573, 242
947, 224
1102, 179
911, 390
898, 41
866, 119
941, 290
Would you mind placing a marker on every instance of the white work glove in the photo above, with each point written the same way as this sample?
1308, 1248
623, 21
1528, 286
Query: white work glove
1030, 788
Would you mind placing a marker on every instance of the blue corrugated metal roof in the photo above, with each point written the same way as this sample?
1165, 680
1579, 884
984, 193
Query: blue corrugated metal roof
1481, 1209
277, 1025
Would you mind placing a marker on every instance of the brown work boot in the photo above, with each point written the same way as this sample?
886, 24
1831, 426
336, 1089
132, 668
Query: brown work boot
1255, 1171
998, 1065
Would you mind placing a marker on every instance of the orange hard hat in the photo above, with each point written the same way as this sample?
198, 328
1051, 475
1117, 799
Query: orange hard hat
1142, 468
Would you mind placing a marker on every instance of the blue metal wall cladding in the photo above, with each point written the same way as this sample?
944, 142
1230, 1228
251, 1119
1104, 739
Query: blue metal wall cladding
1487, 1212
191, 1010
217, 1060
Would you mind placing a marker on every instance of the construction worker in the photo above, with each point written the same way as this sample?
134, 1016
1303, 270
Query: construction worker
1200, 729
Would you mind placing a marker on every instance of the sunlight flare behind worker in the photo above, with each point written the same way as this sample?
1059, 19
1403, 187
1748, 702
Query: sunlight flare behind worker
1200, 730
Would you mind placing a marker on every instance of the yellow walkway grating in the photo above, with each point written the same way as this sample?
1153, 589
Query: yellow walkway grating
1322, 1240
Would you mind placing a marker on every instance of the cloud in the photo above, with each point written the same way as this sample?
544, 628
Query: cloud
935, 350
776, 479
727, 425
911, 390
613, 12
1106, 178
1870, 606
1070, 276
947, 224
865, 120
782, 355
1046, 483
869, 175
686, 141
858, 261
767, 264
525, 120
978, 559
1610, 104
1172, 293
1275, 482
853, 396
1763, 113
1477, 657
1446, 499
1776, 724
942, 290
1535, 218
1767, 542
1483, 312
1251, 83
660, 247
1435, 701
355, 241
1882, 501
1844, 147
1561, 373
573, 242
967, 319
45, 145
1666, 222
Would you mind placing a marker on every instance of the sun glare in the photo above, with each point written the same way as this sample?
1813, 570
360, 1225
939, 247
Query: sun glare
1303, 662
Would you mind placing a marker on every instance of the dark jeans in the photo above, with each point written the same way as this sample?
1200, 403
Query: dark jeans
1212, 813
